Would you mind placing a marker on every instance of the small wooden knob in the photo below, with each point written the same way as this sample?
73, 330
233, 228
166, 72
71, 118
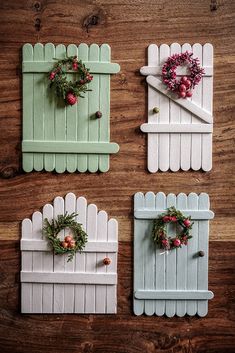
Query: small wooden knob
156, 110
201, 253
98, 115
107, 261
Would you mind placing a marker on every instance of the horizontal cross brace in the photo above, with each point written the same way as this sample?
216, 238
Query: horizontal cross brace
91, 246
174, 294
195, 214
184, 103
177, 128
181, 71
68, 277
93, 66
69, 147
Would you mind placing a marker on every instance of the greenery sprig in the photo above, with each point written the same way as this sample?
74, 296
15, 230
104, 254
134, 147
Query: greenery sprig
183, 227
71, 243
70, 90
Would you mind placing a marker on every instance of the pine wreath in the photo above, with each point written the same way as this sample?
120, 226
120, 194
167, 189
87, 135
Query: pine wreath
71, 243
70, 90
183, 226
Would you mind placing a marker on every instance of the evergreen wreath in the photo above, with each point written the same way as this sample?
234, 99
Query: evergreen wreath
71, 243
183, 226
69, 90
184, 86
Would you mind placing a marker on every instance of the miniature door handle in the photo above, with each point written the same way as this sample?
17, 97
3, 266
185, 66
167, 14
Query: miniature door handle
98, 115
107, 261
201, 253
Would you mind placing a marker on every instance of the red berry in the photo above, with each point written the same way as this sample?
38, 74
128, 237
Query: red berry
189, 94
52, 75
89, 77
184, 79
187, 223
165, 243
188, 83
71, 99
173, 219
177, 242
68, 238
166, 219
182, 94
72, 244
75, 65
182, 88
64, 244
81, 82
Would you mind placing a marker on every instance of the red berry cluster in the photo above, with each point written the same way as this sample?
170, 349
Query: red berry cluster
184, 87
68, 242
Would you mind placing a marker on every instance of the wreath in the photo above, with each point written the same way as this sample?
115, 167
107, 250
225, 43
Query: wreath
186, 84
73, 242
183, 227
69, 90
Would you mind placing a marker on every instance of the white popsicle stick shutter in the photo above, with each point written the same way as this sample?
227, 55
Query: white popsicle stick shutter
50, 284
174, 282
180, 135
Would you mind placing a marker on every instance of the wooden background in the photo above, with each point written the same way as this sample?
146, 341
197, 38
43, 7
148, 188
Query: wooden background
129, 27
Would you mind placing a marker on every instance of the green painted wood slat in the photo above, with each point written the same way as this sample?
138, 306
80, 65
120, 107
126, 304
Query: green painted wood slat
95, 67
69, 147
27, 108
82, 113
49, 118
38, 102
93, 107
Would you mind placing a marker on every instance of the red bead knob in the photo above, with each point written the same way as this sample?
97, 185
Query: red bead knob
107, 261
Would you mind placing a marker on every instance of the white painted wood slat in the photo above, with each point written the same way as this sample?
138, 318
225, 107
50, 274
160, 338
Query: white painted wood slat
111, 291
80, 258
27, 265
47, 260
37, 262
49, 283
180, 134
153, 139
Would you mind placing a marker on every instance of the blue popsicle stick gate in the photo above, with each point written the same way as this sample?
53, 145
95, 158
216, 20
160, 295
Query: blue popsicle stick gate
174, 282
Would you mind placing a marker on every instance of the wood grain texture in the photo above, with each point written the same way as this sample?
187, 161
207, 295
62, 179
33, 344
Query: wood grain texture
101, 333
128, 27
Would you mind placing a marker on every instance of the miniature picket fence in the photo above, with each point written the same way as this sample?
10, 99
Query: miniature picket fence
173, 282
50, 284
180, 135
62, 137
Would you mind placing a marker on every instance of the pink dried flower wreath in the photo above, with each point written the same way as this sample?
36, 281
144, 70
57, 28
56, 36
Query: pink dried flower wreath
184, 86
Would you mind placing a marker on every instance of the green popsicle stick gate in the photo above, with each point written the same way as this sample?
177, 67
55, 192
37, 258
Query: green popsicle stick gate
59, 137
